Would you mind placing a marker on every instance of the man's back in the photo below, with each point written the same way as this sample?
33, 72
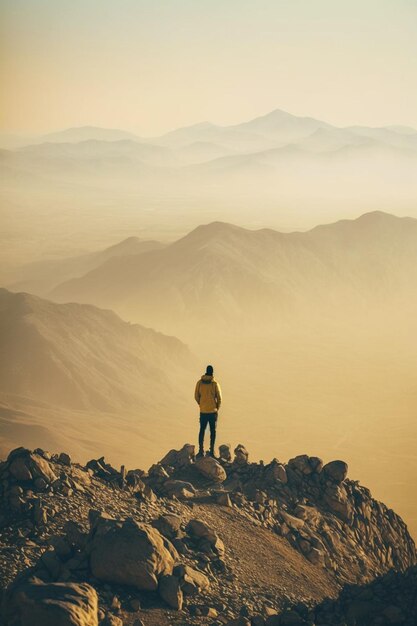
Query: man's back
208, 394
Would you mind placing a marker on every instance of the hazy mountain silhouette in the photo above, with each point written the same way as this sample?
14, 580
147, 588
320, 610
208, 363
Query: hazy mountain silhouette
207, 172
41, 276
277, 126
74, 373
87, 133
223, 272
280, 123
81, 357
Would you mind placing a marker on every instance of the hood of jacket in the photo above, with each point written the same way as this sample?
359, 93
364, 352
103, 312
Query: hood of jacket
207, 379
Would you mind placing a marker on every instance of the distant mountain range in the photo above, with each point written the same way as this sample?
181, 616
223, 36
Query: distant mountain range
206, 141
41, 276
226, 274
276, 169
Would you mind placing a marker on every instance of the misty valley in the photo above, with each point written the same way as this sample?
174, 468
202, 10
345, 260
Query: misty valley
282, 250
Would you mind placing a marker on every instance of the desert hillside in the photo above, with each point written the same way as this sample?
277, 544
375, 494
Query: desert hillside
75, 373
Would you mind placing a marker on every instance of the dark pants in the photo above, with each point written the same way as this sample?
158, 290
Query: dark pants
211, 419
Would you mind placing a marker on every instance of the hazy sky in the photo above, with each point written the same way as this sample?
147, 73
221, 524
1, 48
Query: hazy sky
153, 65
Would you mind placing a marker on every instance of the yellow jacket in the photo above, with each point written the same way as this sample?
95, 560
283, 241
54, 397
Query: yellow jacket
208, 394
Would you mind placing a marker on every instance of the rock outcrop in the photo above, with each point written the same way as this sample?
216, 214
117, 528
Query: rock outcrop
162, 532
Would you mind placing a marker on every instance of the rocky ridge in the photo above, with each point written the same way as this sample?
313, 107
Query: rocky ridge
198, 541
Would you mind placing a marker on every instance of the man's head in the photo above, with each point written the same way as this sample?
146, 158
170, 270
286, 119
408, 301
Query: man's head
209, 370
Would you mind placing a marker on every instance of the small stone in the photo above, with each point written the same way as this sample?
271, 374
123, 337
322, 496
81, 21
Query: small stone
40, 484
112, 620
134, 604
393, 614
64, 458
170, 591
115, 604
208, 611
239, 621
224, 499
168, 525
241, 455
225, 453
179, 489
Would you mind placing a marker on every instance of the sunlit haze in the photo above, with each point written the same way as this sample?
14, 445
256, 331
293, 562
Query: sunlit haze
233, 182
150, 67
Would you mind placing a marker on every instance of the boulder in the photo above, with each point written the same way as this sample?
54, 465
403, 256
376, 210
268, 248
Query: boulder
179, 458
144, 492
170, 591
129, 553
168, 525
52, 604
301, 463
211, 469
80, 476
25, 465
316, 463
315, 556
291, 520
209, 540
241, 455
179, 488
75, 535
192, 581
65, 459
225, 453
198, 528
336, 471
157, 472
102, 469
338, 502
275, 472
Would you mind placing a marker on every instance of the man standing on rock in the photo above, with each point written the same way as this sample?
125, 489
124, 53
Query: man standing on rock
208, 396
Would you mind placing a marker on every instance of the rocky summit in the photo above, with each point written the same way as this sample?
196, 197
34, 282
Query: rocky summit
216, 541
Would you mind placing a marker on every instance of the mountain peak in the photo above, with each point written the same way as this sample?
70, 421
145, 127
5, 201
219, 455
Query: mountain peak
279, 120
246, 518
212, 230
83, 133
370, 219
377, 215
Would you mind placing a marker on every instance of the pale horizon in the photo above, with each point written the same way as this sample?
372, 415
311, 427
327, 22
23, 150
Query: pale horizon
27, 133
151, 68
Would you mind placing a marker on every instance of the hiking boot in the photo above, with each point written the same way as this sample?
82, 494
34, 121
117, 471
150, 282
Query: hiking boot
211, 453
200, 454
